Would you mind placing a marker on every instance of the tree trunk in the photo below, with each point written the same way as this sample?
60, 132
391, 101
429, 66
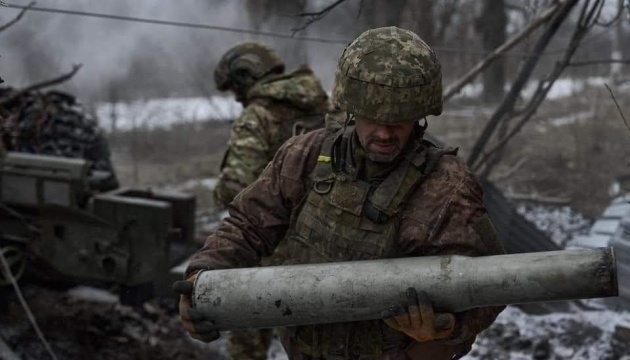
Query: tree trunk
418, 16
379, 13
506, 108
615, 68
491, 24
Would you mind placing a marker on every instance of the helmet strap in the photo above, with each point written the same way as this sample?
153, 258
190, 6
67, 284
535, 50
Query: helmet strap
421, 126
349, 119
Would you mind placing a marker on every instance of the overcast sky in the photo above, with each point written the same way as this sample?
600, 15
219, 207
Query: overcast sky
153, 59
44, 45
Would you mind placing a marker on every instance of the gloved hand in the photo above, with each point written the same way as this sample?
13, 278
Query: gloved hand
196, 323
419, 321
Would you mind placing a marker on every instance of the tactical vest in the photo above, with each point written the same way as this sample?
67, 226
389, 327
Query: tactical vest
343, 218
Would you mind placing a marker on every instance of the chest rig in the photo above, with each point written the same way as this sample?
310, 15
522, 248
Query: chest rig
344, 218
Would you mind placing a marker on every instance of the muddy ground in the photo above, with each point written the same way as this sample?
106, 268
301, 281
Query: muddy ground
78, 328
85, 323
89, 323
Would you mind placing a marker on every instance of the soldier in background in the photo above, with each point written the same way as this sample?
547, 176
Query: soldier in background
277, 106
370, 188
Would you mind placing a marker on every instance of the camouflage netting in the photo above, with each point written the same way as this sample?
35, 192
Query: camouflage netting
54, 123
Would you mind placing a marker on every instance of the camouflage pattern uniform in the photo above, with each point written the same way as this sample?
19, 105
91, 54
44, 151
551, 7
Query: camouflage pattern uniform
332, 203
276, 106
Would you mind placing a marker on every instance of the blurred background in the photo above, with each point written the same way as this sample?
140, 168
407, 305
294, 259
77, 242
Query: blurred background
537, 99
149, 65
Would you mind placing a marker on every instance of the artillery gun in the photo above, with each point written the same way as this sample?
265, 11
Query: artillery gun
55, 228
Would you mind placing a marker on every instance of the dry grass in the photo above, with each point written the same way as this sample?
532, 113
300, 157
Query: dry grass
156, 157
574, 148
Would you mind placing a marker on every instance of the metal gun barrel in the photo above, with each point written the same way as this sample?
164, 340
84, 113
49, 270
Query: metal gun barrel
353, 291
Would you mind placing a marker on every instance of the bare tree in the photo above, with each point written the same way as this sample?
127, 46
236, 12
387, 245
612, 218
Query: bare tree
507, 121
544, 18
17, 18
261, 12
492, 27
39, 85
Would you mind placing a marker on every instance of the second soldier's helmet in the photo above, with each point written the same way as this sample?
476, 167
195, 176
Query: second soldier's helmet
389, 75
251, 60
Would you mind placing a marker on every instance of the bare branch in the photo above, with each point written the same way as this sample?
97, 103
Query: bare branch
446, 17
511, 171
519, 9
616, 18
453, 89
507, 106
597, 62
361, 3
585, 23
312, 17
555, 200
17, 18
43, 84
618, 108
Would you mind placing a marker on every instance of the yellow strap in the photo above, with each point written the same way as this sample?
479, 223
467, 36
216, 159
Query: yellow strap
323, 158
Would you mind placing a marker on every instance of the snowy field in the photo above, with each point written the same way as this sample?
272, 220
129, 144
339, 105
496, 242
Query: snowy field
155, 113
166, 112
561, 88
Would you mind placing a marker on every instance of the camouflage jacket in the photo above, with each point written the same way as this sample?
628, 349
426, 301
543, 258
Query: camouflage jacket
440, 218
274, 107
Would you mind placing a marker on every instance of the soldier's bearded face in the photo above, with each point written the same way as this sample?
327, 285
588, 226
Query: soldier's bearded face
383, 143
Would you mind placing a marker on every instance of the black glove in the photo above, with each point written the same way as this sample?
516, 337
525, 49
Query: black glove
195, 322
418, 320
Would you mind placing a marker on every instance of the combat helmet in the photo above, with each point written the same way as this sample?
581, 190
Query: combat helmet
246, 60
389, 75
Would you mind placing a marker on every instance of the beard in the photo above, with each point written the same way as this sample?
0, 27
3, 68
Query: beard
380, 157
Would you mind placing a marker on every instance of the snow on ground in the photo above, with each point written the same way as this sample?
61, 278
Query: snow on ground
168, 111
579, 118
588, 330
561, 88
560, 223
589, 334
566, 87
165, 112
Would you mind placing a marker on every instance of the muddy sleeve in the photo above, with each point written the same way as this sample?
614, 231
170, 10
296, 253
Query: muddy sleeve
459, 225
249, 151
260, 215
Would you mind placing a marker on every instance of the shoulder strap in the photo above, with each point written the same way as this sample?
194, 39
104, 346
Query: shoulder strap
390, 196
328, 158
